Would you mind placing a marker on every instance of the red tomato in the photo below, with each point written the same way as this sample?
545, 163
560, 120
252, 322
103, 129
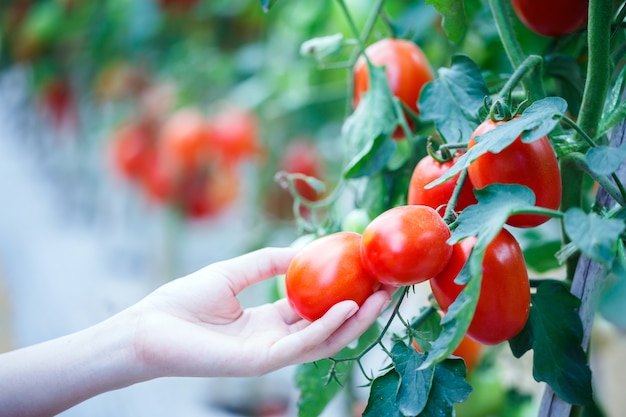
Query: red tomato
554, 17
426, 171
325, 272
235, 132
504, 300
184, 139
132, 149
407, 70
531, 164
406, 245
302, 157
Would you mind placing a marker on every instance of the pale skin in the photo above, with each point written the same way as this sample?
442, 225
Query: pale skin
192, 326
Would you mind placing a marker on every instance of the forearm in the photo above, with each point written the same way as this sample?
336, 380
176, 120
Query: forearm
47, 378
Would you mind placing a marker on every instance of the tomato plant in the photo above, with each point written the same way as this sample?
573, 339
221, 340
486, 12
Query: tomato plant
536, 160
427, 170
504, 302
406, 245
325, 272
407, 70
554, 18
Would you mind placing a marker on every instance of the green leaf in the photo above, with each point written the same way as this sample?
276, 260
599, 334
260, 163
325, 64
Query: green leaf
605, 160
555, 332
496, 202
536, 121
448, 388
372, 159
382, 400
267, 4
368, 130
316, 383
415, 384
406, 388
594, 235
425, 330
453, 14
540, 256
612, 305
453, 100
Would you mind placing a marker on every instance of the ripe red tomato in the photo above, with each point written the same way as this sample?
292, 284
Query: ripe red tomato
407, 70
235, 133
406, 245
132, 149
325, 272
531, 164
426, 171
554, 17
184, 139
504, 301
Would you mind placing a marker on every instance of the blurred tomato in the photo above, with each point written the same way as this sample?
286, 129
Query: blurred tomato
133, 149
57, 101
235, 133
208, 192
184, 139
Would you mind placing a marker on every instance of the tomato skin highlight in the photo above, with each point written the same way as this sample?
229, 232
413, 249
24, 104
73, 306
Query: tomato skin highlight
407, 69
552, 18
504, 301
326, 272
405, 245
531, 164
426, 171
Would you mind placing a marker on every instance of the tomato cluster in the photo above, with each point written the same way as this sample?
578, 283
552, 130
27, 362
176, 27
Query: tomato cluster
404, 245
187, 160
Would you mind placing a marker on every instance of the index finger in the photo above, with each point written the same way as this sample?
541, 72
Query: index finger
252, 267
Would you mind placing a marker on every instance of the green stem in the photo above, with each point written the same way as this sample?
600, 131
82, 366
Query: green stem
448, 215
501, 11
594, 96
598, 64
353, 28
378, 341
530, 63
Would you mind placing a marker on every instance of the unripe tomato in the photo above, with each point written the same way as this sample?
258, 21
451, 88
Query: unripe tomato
531, 164
407, 70
504, 301
554, 17
326, 272
406, 245
426, 171
184, 139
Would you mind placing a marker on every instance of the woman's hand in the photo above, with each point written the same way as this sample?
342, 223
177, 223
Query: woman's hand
195, 325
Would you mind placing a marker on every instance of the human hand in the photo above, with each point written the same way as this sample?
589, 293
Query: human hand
195, 325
